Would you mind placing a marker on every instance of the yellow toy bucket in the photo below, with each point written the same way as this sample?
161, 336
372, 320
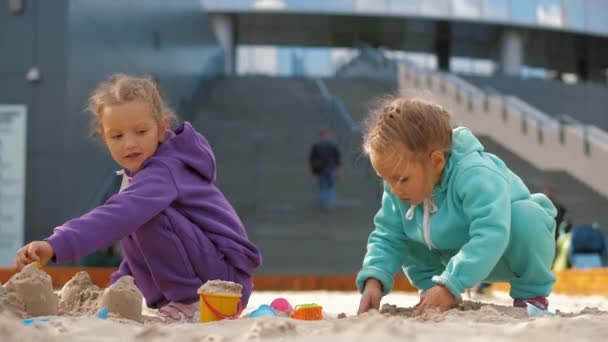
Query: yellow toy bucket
215, 307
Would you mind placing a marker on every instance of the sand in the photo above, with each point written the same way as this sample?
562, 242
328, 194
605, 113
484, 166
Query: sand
221, 287
493, 320
484, 318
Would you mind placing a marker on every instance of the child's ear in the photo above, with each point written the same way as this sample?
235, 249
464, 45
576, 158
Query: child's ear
438, 160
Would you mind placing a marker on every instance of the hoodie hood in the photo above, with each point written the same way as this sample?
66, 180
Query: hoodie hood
464, 144
192, 149
188, 156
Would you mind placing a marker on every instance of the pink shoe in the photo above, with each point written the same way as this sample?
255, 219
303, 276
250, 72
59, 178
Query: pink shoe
175, 312
538, 301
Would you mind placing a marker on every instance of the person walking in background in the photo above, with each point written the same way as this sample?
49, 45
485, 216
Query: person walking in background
325, 164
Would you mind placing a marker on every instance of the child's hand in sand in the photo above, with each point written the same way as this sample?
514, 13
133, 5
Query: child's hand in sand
437, 297
372, 294
37, 251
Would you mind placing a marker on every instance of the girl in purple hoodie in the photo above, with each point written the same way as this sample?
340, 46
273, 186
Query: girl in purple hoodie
175, 227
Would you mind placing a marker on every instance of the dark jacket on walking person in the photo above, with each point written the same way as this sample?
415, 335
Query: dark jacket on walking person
324, 162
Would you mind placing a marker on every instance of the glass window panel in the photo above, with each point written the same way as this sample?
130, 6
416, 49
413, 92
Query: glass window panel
257, 59
227, 4
523, 11
435, 8
324, 5
269, 4
549, 12
466, 8
423, 60
533, 72
460, 65
596, 16
574, 14
472, 66
404, 6
496, 10
379, 6
483, 67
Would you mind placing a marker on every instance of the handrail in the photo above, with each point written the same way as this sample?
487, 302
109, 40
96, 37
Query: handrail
323, 89
590, 133
598, 136
345, 114
346, 130
527, 110
466, 86
584, 147
338, 104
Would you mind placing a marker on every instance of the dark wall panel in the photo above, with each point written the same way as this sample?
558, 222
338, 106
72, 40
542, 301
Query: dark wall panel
75, 44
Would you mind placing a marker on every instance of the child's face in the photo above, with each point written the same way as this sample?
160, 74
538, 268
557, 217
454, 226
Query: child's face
409, 178
131, 133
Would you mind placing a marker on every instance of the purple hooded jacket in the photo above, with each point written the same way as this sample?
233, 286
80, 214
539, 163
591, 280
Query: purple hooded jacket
176, 228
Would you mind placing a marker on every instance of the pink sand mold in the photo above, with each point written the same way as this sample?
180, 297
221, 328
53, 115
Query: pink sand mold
281, 305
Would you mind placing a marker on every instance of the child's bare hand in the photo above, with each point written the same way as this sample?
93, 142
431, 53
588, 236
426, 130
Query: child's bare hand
437, 297
37, 251
372, 294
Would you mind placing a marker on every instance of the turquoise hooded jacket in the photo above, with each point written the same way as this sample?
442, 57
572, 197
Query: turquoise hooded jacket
457, 237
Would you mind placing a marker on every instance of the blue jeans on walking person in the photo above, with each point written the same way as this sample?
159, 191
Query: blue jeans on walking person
327, 189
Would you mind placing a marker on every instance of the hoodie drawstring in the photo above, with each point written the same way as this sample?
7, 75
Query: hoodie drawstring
429, 208
126, 180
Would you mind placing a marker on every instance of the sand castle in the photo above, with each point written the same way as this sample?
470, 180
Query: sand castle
30, 293
33, 289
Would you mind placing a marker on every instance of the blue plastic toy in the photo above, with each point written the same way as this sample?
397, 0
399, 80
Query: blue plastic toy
103, 313
263, 310
534, 311
30, 321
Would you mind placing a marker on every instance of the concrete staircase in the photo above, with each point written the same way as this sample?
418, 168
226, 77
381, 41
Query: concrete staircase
583, 205
360, 94
261, 130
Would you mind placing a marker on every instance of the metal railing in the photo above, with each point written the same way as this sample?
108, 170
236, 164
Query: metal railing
337, 106
584, 148
464, 91
592, 135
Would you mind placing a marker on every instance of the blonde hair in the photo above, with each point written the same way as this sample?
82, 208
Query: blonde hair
122, 88
416, 124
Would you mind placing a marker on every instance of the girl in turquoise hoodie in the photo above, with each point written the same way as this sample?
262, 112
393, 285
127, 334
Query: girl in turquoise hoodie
452, 215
